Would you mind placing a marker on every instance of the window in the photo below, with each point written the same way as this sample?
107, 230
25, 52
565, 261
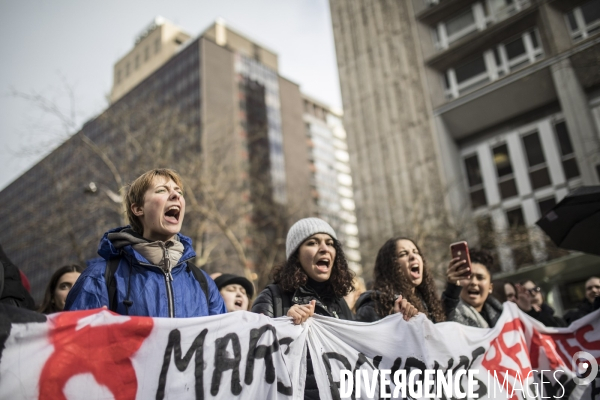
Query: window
127, 69
466, 77
118, 76
157, 45
459, 25
519, 238
493, 63
584, 20
137, 61
519, 52
515, 218
506, 178
567, 154
485, 230
546, 205
537, 167
475, 182
146, 53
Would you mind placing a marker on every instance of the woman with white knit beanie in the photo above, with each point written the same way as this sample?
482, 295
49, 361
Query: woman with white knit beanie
314, 279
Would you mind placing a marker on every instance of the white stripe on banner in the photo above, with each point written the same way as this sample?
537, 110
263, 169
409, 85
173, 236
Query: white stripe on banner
98, 355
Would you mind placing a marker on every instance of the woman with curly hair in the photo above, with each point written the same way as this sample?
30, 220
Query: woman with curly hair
314, 279
401, 274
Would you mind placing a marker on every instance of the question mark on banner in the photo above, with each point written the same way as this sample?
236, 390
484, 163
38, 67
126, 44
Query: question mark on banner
585, 371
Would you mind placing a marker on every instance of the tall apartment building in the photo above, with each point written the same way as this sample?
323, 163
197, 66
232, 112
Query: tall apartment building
331, 180
215, 109
488, 108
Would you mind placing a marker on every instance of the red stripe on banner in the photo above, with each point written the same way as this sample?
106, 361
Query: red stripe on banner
104, 351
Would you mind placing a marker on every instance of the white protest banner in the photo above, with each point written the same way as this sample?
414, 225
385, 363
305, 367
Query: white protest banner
511, 360
98, 355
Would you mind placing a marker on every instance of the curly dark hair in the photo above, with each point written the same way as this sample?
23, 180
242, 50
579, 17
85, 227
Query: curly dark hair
290, 275
482, 257
48, 306
391, 280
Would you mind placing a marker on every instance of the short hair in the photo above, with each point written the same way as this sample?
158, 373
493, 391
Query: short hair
589, 279
137, 189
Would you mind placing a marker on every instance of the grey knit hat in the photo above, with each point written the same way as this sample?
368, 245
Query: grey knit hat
302, 230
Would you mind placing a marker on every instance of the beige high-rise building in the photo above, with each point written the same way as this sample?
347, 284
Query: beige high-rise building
156, 44
471, 115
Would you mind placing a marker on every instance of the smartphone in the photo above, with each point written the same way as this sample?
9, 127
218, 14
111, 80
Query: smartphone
461, 250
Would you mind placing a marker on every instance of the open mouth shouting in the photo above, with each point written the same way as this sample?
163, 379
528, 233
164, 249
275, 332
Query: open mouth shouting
415, 270
172, 214
473, 292
323, 264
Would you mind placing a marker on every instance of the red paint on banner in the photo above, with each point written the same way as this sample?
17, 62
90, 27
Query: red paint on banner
501, 349
104, 351
521, 359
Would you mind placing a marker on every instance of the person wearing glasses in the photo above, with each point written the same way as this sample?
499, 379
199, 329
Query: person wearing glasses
531, 301
589, 304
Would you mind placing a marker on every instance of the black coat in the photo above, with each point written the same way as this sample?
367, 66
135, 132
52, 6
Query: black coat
546, 316
365, 308
584, 308
12, 291
274, 302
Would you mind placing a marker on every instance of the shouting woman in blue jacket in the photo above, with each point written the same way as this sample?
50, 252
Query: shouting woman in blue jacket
145, 268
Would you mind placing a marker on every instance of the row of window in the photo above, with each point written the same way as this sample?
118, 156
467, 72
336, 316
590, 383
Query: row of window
510, 55
137, 60
477, 16
537, 167
582, 21
494, 63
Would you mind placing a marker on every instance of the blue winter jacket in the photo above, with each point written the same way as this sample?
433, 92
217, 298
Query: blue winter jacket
145, 285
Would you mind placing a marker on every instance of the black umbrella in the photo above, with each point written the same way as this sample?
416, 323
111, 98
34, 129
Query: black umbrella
574, 223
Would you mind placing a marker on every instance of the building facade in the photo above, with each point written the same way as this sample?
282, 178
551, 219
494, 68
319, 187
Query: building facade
505, 98
215, 109
331, 176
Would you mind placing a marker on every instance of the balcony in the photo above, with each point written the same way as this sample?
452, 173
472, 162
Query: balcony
476, 17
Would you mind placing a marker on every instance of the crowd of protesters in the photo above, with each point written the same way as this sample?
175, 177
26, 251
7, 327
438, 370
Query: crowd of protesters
145, 269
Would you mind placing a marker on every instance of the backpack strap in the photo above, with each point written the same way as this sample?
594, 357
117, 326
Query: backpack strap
201, 278
111, 283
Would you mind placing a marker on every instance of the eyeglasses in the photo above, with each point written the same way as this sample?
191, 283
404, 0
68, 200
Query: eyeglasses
534, 290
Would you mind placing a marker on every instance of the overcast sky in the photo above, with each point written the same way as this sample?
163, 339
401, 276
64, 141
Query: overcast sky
49, 46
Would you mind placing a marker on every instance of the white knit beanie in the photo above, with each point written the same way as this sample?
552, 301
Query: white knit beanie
302, 230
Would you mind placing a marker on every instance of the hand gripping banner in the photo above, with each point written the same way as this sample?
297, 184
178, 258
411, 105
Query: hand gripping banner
96, 354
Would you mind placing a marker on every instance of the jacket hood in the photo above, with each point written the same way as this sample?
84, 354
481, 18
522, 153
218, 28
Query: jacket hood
121, 239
